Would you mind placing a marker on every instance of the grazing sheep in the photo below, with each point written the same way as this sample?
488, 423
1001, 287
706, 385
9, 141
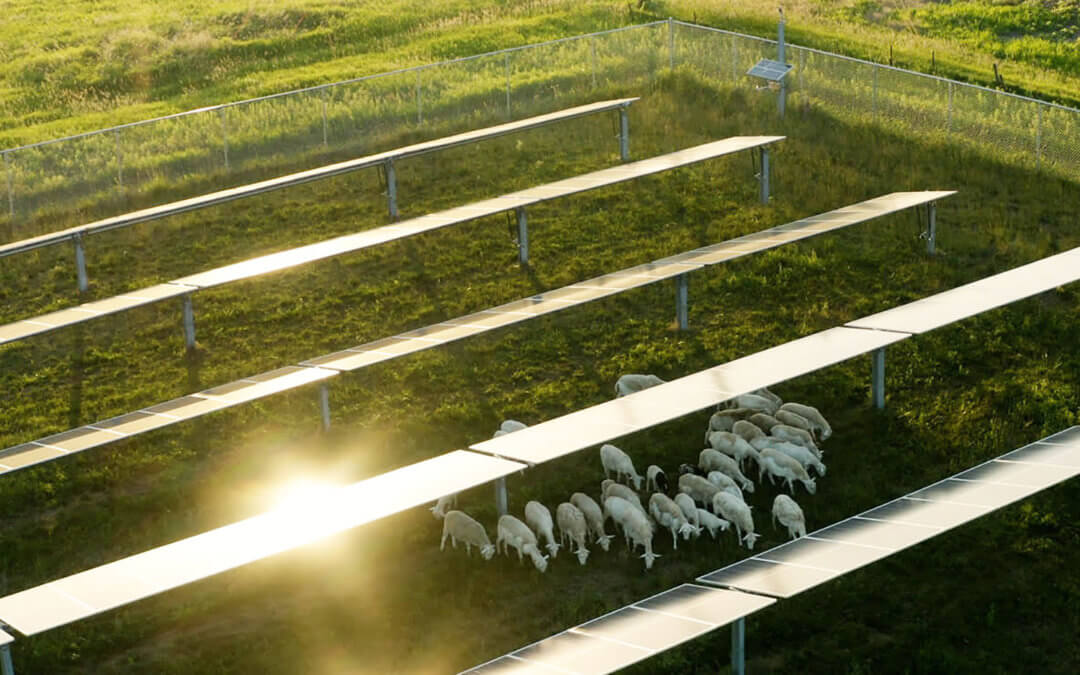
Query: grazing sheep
609, 488
713, 460
816, 419
509, 427
723, 420
763, 421
754, 402
733, 445
725, 483
800, 454
538, 518
712, 523
782, 466
746, 430
458, 525
690, 511
765, 393
736, 511
786, 432
670, 515
516, 534
628, 384
444, 503
573, 528
635, 526
685, 469
698, 488
618, 461
656, 479
790, 516
594, 517
793, 420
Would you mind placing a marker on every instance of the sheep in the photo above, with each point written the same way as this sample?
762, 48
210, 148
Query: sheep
712, 523
800, 454
785, 467
516, 534
816, 419
697, 488
736, 511
765, 393
636, 527
594, 518
713, 460
690, 511
733, 445
628, 384
747, 430
685, 469
445, 502
509, 427
656, 479
790, 516
725, 483
793, 420
754, 402
618, 461
670, 515
609, 488
786, 432
458, 525
722, 420
763, 421
573, 527
538, 518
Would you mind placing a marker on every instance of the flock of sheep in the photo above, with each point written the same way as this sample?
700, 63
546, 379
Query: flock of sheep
780, 439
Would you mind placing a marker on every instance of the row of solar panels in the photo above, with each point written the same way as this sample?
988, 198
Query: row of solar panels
329, 365
78, 596
310, 175
350, 243
666, 620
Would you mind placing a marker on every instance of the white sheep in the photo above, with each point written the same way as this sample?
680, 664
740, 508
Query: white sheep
628, 384
782, 466
764, 421
725, 483
764, 392
458, 525
786, 432
799, 453
754, 402
736, 510
713, 460
444, 503
690, 511
790, 516
794, 420
816, 419
594, 517
733, 445
723, 420
618, 461
655, 479
573, 528
538, 518
670, 516
516, 534
747, 430
509, 427
712, 523
697, 488
635, 525
609, 488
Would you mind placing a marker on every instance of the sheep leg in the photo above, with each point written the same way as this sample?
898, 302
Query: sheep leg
674, 539
442, 544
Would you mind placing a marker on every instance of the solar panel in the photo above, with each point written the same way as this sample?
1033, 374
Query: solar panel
139, 576
980, 296
609, 420
630, 634
801, 564
310, 175
770, 70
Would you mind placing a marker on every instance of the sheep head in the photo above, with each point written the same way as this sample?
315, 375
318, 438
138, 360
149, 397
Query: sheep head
487, 551
553, 549
811, 485
687, 529
637, 481
541, 561
605, 541
649, 558
751, 538
582, 554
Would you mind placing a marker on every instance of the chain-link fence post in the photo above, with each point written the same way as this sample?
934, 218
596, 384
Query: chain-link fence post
506, 60
10, 171
325, 130
671, 43
419, 101
592, 43
224, 136
874, 95
948, 121
119, 161
1038, 136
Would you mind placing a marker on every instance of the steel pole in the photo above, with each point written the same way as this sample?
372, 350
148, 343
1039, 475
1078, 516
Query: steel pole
325, 130
419, 101
189, 323
224, 136
391, 189
682, 295
324, 405
931, 227
738, 647
624, 134
501, 498
119, 160
10, 185
764, 175
6, 666
671, 43
506, 60
877, 378
80, 263
523, 236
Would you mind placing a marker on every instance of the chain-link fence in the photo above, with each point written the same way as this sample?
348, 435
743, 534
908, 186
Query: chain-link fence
98, 174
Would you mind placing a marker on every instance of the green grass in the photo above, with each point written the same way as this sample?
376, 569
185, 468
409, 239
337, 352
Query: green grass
998, 595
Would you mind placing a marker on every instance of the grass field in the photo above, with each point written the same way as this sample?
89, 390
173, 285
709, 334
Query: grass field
1000, 595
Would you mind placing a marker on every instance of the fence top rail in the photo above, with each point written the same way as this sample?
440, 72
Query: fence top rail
309, 175
958, 83
329, 85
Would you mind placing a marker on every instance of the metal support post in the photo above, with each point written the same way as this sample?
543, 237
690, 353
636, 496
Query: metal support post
506, 60
734, 59
391, 188
738, 647
10, 185
948, 120
325, 134
501, 498
874, 99
119, 160
523, 236
80, 263
877, 377
624, 134
671, 43
931, 227
1038, 137
781, 56
764, 175
6, 666
224, 136
682, 294
419, 101
189, 323
592, 43
324, 405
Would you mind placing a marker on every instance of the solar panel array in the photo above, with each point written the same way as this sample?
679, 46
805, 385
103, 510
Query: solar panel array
310, 175
332, 511
351, 243
630, 634
629, 414
770, 70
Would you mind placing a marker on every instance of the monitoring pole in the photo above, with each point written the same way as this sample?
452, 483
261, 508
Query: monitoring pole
782, 103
